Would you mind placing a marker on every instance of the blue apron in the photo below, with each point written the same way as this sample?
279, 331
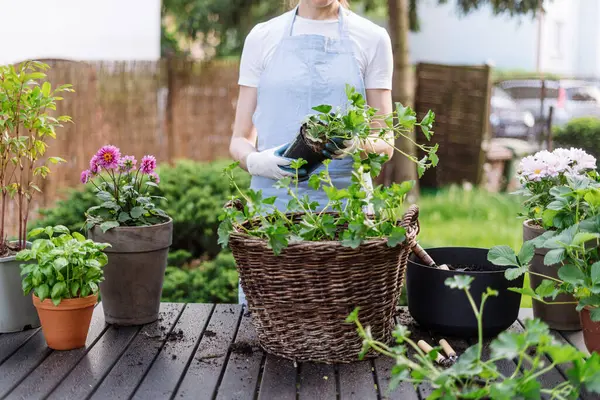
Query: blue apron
305, 71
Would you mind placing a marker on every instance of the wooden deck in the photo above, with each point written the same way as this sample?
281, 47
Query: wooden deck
195, 351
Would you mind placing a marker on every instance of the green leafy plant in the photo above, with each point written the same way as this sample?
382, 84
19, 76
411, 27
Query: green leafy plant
124, 189
543, 173
362, 122
471, 377
64, 266
26, 125
343, 218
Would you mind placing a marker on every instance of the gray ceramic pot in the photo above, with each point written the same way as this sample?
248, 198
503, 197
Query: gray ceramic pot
562, 317
16, 310
135, 272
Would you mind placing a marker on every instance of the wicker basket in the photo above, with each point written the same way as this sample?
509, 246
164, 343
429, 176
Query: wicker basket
300, 299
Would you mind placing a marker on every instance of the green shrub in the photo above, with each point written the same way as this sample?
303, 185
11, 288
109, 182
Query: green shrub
214, 281
195, 195
583, 133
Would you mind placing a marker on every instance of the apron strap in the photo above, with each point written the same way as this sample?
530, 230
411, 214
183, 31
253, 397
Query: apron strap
343, 31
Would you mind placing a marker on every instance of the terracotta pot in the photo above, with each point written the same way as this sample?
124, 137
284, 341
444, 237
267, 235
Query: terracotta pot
66, 326
591, 331
562, 317
134, 275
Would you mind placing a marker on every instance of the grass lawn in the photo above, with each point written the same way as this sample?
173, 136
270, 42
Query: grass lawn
470, 218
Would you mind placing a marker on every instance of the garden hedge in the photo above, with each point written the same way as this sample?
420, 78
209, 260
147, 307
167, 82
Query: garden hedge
583, 133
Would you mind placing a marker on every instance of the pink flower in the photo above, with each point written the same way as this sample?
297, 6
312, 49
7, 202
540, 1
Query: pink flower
148, 164
86, 176
108, 157
154, 177
94, 167
127, 163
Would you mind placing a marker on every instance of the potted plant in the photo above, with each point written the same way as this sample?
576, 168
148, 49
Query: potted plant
329, 127
139, 232
63, 271
25, 128
303, 268
472, 377
542, 175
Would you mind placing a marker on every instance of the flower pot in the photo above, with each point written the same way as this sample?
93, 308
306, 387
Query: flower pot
66, 326
134, 275
591, 331
16, 310
447, 311
303, 148
563, 317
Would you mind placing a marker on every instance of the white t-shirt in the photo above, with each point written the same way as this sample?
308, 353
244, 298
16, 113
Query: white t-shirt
372, 46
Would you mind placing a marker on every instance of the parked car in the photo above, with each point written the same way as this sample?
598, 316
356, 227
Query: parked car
569, 98
507, 120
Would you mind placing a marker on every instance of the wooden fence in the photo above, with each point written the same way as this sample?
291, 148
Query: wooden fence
460, 98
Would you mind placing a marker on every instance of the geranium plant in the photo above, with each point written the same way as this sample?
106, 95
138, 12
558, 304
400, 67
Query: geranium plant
26, 125
472, 377
64, 266
343, 217
124, 188
542, 172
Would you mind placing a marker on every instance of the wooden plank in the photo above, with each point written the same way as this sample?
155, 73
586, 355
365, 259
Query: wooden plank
22, 362
317, 381
278, 380
92, 368
383, 372
129, 371
170, 364
205, 370
357, 381
41, 381
11, 342
243, 369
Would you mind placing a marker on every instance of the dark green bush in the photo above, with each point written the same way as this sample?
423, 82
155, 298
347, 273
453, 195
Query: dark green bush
583, 133
214, 281
195, 195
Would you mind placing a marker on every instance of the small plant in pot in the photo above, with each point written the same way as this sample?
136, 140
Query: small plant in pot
26, 126
139, 232
472, 376
544, 176
308, 259
63, 272
328, 129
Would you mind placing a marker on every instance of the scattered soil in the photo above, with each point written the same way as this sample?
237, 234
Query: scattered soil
176, 335
209, 333
174, 357
247, 314
473, 268
242, 347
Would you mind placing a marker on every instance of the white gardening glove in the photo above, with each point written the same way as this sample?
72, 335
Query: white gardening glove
338, 148
267, 163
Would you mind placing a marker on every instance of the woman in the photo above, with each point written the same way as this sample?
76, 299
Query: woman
298, 60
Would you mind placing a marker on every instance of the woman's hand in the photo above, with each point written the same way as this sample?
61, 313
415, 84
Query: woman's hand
271, 164
338, 148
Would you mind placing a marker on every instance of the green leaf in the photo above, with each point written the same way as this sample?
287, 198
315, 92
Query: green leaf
74, 289
314, 182
123, 217
554, 257
406, 116
513, 273
595, 314
503, 255
105, 226
397, 236
58, 290
42, 291
323, 108
507, 345
61, 229
547, 288
137, 212
526, 253
224, 230
548, 217
427, 124
595, 272
78, 236
571, 274
35, 232
583, 237
459, 282
563, 354
60, 263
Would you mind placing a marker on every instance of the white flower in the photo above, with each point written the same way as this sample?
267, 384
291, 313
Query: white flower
563, 160
533, 168
582, 160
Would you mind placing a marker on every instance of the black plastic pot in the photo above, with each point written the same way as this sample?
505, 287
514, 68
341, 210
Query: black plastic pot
300, 148
447, 311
